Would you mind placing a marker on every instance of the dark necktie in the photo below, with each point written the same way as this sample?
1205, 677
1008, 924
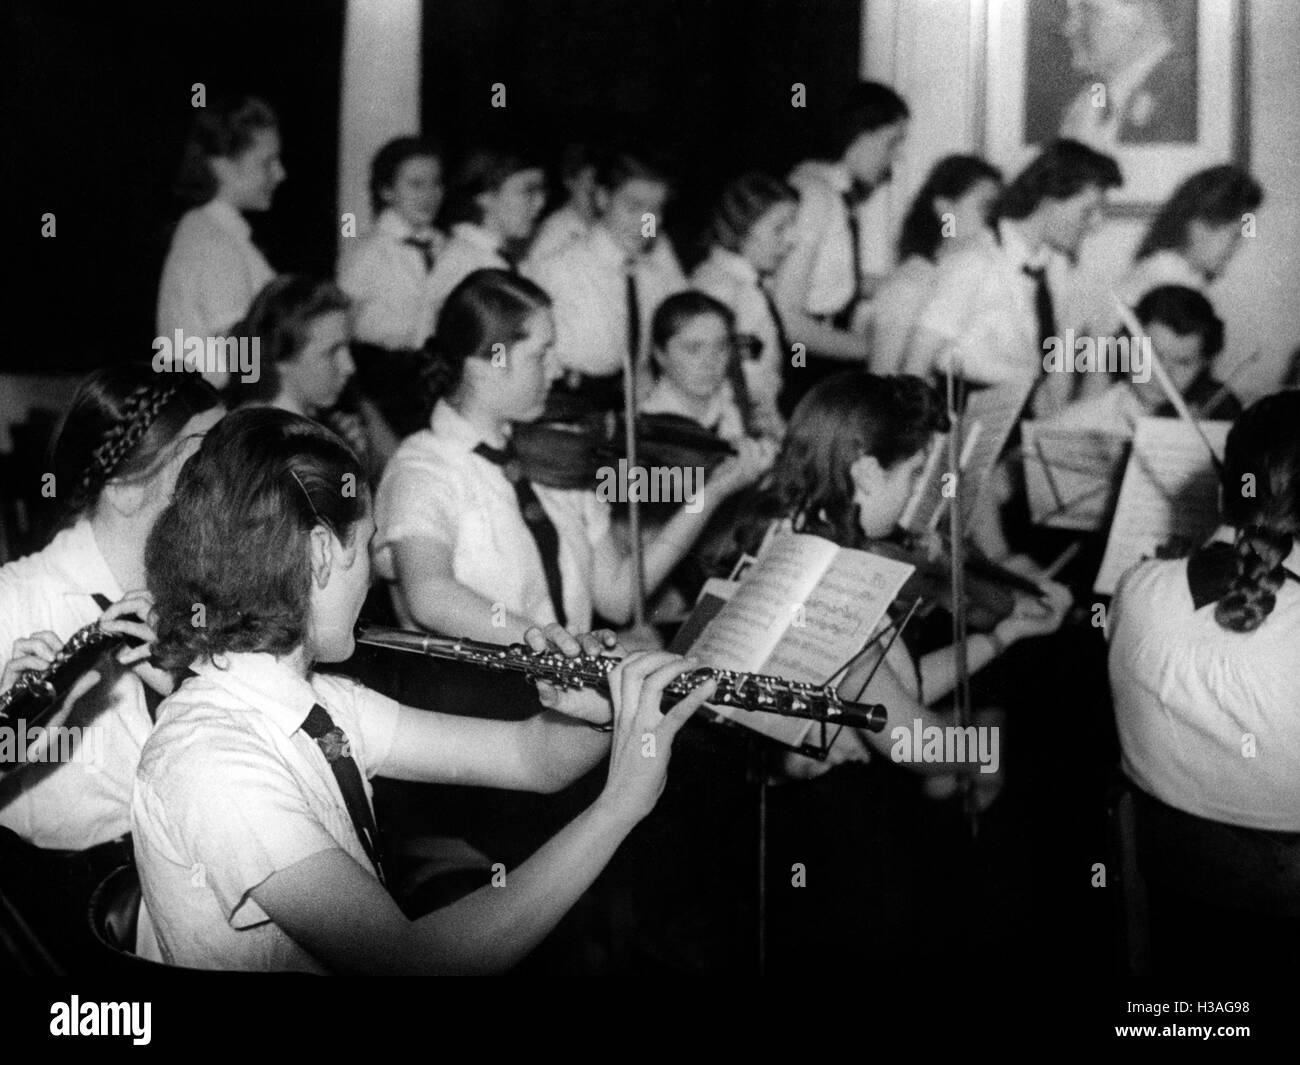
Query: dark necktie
334, 745
424, 247
844, 319
633, 315
1042, 304
535, 517
782, 341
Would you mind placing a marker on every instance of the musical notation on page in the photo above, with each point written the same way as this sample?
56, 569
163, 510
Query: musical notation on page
802, 612
1170, 489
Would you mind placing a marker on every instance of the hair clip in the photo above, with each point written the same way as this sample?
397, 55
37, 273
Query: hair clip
314, 511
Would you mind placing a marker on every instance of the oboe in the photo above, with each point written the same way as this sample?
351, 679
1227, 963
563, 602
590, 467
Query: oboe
743, 691
35, 694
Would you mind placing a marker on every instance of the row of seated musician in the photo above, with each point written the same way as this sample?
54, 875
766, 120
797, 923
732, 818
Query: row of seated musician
868, 432
205, 522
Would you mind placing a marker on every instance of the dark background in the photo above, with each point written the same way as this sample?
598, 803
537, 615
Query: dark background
97, 101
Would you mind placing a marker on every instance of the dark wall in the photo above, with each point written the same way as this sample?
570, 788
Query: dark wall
97, 102
705, 82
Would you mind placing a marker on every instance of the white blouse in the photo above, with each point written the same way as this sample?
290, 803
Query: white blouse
212, 273
437, 487
231, 790
1208, 718
388, 283
85, 801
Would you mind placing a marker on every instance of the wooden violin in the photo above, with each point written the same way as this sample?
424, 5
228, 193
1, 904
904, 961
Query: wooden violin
991, 590
569, 452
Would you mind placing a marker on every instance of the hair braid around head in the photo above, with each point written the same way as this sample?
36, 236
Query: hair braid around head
139, 411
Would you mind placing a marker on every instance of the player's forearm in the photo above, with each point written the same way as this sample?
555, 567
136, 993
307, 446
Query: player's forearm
498, 925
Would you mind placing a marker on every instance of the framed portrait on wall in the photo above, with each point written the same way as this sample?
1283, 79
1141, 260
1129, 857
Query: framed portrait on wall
1159, 84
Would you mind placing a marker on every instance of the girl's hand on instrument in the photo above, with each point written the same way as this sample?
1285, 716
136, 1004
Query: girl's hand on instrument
753, 458
1036, 616
643, 734
35, 652
584, 704
133, 615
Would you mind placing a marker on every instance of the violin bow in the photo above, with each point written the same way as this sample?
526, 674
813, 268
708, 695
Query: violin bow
1175, 397
957, 554
634, 502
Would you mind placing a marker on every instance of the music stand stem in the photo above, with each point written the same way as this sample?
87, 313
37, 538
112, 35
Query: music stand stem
633, 502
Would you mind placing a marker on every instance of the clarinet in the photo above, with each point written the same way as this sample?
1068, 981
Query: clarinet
36, 694
742, 691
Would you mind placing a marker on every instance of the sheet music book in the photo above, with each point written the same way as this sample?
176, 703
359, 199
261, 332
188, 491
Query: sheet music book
990, 416
1071, 474
1169, 489
802, 612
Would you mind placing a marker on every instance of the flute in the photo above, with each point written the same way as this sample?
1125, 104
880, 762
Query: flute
742, 691
34, 695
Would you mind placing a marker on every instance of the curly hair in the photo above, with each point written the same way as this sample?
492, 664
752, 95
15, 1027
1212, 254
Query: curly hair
235, 539
388, 161
1261, 500
121, 421
226, 129
1218, 195
953, 176
280, 319
842, 418
742, 204
1061, 170
479, 171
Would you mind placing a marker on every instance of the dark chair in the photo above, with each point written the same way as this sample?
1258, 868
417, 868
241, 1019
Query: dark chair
1123, 875
114, 913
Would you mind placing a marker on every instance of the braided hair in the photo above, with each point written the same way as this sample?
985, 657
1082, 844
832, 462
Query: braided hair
1261, 500
121, 420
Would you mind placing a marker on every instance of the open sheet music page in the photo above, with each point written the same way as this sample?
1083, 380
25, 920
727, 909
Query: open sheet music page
990, 415
802, 612
1071, 474
1170, 489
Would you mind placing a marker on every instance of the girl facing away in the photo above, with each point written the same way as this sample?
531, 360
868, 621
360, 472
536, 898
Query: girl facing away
1202, 667
253, 827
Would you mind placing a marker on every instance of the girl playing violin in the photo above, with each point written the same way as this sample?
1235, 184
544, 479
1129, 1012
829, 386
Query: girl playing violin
693, 360
254, 833
303, 331
853, 451
472, 547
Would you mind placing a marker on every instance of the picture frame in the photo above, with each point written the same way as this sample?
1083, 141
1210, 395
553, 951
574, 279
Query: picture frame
1179, 101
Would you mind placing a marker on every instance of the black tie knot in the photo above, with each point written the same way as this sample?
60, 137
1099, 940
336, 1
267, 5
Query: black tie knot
505, 457
424, 247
